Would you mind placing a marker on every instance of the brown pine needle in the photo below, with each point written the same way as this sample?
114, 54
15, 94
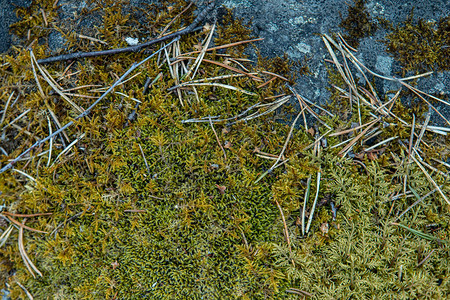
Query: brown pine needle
174, 19
266, 83
28, 263
276, 75
92, 39
286, 232
25, 215
24, 226
344, 151
230, 87
223, 46
226, 67
199, 59
217, 138
430, 179
53, 84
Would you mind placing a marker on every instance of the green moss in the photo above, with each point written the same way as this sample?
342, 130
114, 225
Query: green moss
420, 45
358, 23
154, 209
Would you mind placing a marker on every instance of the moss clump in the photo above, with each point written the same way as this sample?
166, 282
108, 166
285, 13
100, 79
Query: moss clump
161, 209
362, 255
420, 45
358, 23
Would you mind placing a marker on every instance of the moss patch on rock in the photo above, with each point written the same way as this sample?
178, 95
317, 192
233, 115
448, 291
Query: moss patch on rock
163, 209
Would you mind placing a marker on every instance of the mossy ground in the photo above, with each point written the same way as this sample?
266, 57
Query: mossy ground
156, 209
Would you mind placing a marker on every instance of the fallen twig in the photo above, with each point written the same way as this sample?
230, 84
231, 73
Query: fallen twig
189, 29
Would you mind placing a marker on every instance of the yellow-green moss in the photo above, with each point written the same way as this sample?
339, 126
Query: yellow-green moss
358, 23
122, 231
421, 45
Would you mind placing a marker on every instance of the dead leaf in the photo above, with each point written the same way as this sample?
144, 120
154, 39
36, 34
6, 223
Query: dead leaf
221, 189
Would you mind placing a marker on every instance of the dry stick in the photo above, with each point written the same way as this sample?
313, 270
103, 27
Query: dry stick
87, 111
136, 48
218, 141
